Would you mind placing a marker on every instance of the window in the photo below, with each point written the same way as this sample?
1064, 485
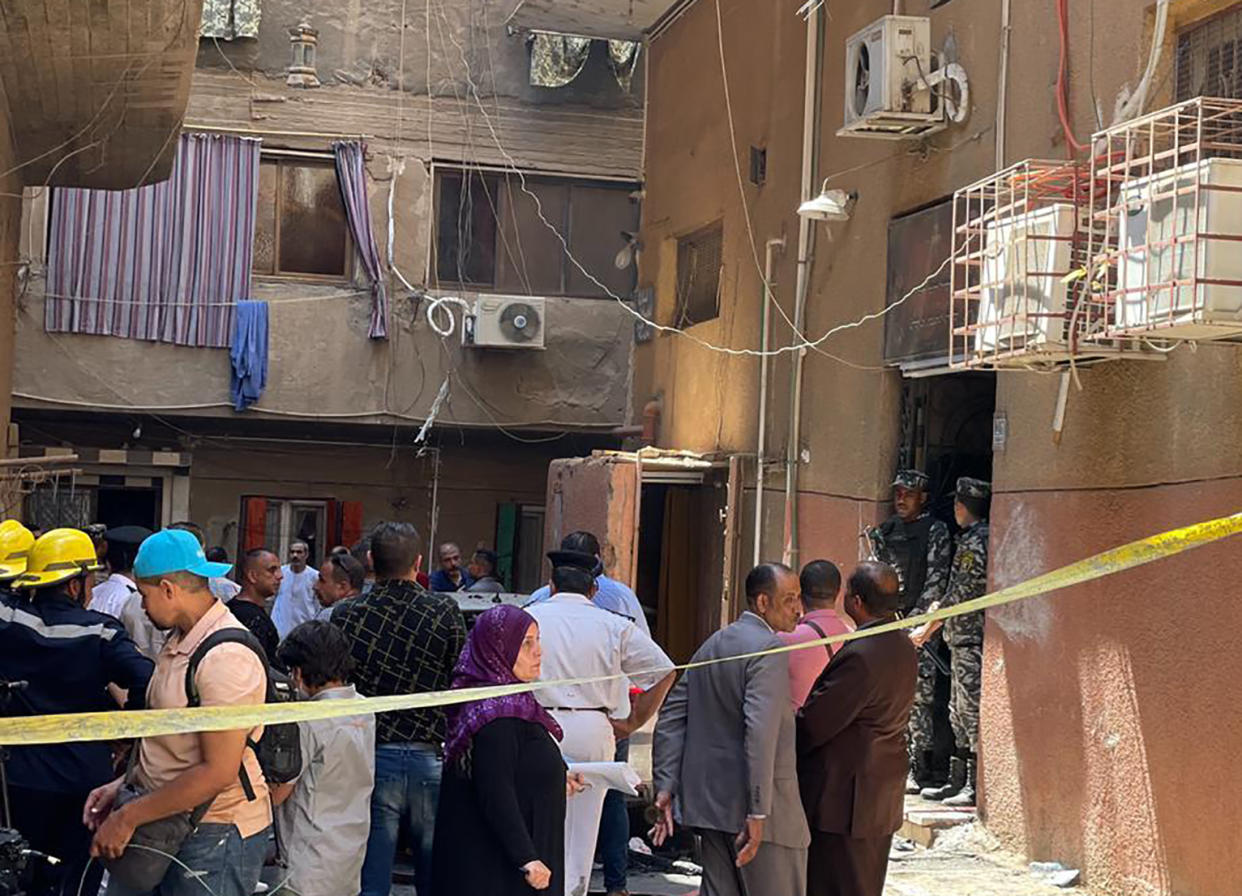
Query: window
466, 228
758, 166
1208, 62
699, 259
490, 234
111, 499
300, 228
918, 242
275, 523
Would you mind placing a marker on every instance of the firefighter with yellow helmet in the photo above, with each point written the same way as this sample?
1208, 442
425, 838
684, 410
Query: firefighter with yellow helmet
15, 544
67, 656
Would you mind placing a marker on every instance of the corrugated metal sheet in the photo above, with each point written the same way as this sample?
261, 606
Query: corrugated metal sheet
556, 139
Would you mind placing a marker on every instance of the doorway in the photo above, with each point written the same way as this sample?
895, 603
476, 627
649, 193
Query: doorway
946, 431
681, 556
122, 506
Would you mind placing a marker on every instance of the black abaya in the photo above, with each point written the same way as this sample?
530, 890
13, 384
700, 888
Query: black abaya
501, 807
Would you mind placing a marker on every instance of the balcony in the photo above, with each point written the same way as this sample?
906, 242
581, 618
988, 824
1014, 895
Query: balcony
96, 92
612, 19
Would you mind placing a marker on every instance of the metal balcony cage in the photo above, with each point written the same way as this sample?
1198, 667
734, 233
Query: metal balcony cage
1019, 249
1166, 226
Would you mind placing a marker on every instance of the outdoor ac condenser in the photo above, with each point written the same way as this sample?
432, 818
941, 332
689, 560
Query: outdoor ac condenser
1024, 299
506, 322
883, 63
1163, 241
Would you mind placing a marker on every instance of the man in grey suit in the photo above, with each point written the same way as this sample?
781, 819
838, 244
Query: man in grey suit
724, 751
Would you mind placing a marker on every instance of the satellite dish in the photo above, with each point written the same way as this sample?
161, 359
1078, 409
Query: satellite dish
862, 80
519, 322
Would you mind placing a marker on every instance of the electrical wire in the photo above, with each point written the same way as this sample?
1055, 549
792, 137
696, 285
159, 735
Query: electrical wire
800, 345
1071, 142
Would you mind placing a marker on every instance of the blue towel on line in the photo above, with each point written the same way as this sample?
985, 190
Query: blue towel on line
248, 354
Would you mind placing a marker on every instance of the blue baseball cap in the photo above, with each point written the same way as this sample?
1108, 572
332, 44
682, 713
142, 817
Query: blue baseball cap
175, 550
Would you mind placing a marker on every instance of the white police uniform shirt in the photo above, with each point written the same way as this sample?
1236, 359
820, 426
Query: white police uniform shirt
581, 640
111, 595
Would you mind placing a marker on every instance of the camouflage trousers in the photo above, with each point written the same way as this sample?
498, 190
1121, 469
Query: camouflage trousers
922, 713
964, 704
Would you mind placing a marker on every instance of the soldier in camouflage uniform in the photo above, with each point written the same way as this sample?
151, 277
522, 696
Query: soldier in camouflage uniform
918, 546
967, 581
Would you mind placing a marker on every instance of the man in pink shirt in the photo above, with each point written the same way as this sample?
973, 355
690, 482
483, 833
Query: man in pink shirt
821, 583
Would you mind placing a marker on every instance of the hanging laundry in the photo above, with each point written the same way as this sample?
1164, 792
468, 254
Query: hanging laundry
556, 59
623, 56
248, 354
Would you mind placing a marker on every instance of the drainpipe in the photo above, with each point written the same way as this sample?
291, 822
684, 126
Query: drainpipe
772, 245
810, 145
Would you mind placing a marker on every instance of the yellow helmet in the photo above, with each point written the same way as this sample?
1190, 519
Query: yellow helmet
58, 556
15, 543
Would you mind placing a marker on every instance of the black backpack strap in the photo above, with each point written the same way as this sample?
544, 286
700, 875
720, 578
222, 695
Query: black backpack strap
193, 698
820, 632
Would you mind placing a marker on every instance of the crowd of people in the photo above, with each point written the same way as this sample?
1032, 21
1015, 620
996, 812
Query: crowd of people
789, 767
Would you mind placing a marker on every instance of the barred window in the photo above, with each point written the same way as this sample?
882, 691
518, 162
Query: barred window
699, 258
1209, 58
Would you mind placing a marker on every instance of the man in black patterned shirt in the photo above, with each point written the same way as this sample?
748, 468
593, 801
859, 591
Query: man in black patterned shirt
404, 640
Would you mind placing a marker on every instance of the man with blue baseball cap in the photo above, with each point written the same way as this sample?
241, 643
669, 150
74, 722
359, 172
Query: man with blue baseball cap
177, 773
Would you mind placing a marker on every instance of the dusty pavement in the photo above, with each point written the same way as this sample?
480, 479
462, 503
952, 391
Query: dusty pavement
965, 861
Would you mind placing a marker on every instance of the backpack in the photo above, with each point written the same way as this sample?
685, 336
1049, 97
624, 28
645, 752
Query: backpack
279, 750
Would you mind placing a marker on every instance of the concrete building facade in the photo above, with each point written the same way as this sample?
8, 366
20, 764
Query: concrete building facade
1089, 693
464, 156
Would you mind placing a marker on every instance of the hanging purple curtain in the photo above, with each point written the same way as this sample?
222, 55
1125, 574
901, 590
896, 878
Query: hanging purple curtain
165, 262
351, 175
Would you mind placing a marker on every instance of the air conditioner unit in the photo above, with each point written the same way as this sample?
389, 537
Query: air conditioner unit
884, 65
1179, 272
1024, 300
506, 322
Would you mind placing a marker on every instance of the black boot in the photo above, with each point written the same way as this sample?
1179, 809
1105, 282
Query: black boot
966, 796
920, 772
957, 781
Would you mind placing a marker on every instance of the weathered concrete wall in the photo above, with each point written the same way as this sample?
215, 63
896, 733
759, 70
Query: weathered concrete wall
392, 485
321, 364
1108, 740
1087, 697
448, 49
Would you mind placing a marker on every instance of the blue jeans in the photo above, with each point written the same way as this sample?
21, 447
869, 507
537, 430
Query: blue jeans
407, 789
614, 833
224, 863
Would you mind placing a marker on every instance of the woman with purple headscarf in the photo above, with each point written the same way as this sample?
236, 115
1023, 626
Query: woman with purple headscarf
500, 827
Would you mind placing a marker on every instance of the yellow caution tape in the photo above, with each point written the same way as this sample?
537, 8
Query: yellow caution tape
117, 725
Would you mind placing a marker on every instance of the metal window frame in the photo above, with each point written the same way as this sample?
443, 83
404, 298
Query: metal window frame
680, 307
437, 169
279, 157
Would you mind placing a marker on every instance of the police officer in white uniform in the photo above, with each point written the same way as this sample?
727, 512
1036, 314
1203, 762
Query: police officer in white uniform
582, 640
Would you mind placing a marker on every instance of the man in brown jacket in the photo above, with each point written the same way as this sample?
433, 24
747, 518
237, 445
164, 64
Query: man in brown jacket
852, 759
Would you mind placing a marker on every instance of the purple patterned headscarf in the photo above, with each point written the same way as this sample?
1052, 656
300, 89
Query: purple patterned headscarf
491, 650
